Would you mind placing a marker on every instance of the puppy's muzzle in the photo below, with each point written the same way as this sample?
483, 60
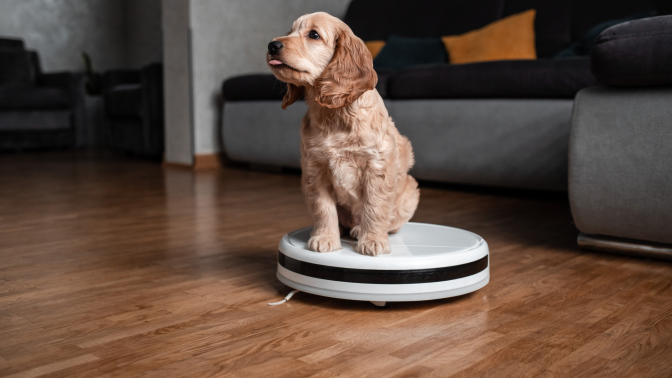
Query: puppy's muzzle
274, 47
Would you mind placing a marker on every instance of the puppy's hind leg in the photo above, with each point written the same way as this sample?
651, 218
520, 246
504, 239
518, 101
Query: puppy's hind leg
407, 203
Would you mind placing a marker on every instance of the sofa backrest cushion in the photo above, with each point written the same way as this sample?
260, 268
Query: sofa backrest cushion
17, 67
558, 22
11, 43
35, 64
379, 19
552, 24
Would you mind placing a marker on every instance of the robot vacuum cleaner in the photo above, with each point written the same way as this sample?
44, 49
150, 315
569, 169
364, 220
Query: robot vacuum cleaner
427, 262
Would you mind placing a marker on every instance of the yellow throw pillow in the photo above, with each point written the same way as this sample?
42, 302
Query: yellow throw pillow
374, 47
509, 38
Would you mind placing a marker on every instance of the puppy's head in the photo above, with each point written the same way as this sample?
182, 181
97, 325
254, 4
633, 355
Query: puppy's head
322, 52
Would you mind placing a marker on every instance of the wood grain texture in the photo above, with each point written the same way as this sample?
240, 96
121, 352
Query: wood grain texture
112, 267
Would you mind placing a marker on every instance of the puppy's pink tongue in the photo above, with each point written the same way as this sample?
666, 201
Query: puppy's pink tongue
275, 62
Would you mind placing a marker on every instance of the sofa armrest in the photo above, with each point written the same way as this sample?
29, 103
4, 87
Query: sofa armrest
152, 84
619, 171
73, 83
634, 54
63, 80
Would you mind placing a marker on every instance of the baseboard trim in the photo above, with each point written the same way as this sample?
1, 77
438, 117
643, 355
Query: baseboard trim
201, 163
170, 164
207, 161
625, 246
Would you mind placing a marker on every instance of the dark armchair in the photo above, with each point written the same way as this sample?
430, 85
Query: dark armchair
134, 110
37, 110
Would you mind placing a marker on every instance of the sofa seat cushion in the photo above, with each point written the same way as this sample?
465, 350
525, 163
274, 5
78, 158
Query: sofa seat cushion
636, 53
35, 120
124, 101
259, 87
31, 97
498, 79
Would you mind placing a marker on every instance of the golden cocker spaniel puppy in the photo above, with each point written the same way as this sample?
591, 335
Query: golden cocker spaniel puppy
355, 163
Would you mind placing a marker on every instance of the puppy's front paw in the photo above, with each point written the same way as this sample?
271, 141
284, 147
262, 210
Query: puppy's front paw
324, 243
355, 231
371, 246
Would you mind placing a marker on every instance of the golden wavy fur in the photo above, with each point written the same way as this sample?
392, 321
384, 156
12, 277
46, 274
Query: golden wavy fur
355, 163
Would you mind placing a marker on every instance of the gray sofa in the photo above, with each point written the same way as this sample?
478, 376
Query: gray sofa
37, 110
502, 123
498, 142
620, 150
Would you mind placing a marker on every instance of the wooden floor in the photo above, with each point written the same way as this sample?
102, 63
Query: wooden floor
111, 267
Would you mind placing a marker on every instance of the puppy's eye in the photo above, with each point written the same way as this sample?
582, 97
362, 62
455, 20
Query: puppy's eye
313, 35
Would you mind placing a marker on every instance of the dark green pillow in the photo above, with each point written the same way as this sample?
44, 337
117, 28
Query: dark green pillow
404, 52
583, 46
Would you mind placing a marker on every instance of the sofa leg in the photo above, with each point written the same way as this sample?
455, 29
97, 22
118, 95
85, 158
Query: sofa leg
625, 246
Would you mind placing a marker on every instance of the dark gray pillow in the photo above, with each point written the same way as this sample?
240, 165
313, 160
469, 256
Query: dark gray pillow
583, 46
404, 52
635, 53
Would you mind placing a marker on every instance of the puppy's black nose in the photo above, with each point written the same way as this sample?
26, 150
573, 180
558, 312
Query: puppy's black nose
274, 47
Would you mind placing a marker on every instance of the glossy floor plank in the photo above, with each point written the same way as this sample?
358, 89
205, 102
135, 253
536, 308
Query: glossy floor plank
112, 267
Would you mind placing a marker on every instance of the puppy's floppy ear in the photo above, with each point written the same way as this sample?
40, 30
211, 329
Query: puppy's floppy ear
349, 74
294, 92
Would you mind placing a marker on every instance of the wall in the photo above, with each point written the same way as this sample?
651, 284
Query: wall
61, 29
177, 82
210, 40
143, 32
114, 33
231, 38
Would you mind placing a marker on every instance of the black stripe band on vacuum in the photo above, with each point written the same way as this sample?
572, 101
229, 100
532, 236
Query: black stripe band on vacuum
388, 277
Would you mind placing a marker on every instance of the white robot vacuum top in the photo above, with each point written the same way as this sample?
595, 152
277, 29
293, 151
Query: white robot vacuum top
427, 262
